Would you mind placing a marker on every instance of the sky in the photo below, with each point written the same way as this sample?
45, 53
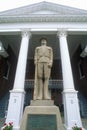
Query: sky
11, 4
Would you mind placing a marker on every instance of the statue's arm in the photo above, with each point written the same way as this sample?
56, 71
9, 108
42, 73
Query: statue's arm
35, 57
51, 57
35, 82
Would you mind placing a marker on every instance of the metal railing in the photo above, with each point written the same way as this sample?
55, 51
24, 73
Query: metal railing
56, 84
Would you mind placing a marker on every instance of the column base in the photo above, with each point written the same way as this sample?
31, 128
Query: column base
15, 108
71, 109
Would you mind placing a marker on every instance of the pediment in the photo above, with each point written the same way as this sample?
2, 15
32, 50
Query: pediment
44, 8
45, 12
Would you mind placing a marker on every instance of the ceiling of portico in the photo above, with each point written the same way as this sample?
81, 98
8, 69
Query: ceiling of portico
14, 42
50, 13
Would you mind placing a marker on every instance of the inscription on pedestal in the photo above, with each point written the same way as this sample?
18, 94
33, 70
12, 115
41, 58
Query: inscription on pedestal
41, 122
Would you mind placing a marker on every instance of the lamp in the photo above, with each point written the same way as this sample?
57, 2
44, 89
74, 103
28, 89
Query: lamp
2, 51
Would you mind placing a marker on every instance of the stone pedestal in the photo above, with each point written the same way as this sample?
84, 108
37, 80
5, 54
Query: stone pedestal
41, 115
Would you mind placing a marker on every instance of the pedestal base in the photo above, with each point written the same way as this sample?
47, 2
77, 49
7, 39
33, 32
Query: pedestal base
38, 117
71, 110
15, 108
42, 103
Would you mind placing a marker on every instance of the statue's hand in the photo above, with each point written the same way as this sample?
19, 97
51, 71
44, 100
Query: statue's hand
35, 62
49, 64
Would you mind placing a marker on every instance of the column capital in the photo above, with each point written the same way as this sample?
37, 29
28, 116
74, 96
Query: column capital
62, 33
26, 33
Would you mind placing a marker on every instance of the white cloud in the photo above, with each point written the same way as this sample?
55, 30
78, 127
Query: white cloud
10, 4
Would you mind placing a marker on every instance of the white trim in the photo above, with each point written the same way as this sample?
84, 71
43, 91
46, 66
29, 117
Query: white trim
50, 30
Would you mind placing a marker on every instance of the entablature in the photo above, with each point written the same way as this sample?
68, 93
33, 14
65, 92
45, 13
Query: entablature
43, 18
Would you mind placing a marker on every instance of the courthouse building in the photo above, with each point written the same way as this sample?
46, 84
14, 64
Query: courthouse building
20, 32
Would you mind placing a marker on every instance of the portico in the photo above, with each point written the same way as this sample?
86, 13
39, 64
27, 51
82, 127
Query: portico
60, 30
17, 93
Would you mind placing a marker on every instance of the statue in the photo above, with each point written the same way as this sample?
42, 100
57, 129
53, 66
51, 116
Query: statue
43, 61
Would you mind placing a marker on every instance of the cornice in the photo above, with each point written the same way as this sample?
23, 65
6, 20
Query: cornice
43, 18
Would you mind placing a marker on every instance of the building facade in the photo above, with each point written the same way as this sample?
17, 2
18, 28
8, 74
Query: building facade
66, 31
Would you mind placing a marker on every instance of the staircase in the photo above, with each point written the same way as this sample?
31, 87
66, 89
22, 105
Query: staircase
83, 105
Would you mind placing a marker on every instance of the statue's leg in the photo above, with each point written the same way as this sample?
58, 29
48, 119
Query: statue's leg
40, 82
46, 91
40, 90
46, 81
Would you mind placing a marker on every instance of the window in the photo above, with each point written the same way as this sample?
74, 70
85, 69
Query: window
81, 71
7, 70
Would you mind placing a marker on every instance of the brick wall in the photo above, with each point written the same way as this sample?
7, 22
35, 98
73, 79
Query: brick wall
1, 64
7, 83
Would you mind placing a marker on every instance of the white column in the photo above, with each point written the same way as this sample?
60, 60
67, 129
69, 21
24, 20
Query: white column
65, 59
21, 66
70, 99
16, 101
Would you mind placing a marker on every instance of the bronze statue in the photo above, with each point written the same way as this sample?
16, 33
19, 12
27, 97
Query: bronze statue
43, 62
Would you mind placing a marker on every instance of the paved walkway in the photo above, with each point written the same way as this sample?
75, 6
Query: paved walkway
2, 120
84, 122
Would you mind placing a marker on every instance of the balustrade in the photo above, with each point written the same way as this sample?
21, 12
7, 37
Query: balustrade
58, 84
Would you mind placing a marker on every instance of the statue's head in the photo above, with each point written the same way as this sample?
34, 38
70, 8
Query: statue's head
43, 41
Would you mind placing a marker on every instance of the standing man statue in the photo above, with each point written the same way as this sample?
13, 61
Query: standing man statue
43, 62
